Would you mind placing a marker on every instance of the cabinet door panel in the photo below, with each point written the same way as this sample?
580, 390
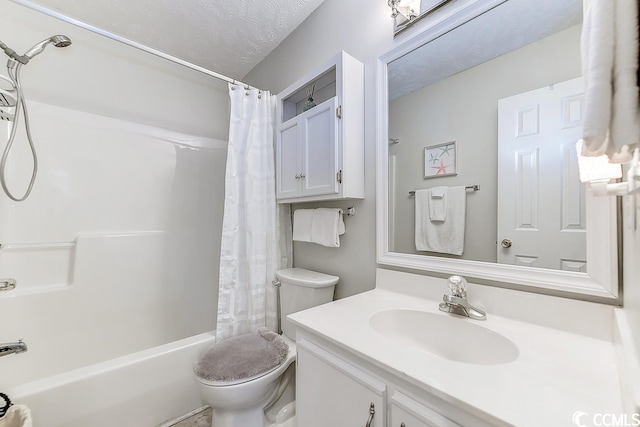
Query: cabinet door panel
320, 159
336, 396
288, 160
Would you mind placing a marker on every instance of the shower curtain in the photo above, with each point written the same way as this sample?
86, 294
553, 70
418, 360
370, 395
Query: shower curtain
256, 231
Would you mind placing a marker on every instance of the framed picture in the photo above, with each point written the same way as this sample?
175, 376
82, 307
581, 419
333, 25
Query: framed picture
440, 160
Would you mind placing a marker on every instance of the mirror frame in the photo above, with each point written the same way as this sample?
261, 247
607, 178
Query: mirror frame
602, 283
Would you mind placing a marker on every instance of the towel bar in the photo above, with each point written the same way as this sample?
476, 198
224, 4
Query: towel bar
348, 212
468, 187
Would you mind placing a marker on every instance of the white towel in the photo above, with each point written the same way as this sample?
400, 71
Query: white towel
302, 220
611, 123
327, 226
438, 204
322, 226
16, 416
441, 236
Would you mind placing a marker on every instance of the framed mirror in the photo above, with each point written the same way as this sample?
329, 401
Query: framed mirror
501, 79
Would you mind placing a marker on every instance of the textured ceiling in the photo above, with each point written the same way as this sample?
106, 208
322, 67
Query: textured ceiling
507, 27
228, 37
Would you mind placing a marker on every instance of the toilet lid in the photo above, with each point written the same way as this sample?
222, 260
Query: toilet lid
241, 358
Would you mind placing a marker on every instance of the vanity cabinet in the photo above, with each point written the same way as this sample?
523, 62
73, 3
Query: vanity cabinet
332, 392
337, 388
320, 150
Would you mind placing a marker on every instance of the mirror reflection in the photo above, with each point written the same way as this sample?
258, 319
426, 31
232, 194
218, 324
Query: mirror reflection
500, 111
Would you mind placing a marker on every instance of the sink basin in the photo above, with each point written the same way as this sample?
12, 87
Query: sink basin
446, 336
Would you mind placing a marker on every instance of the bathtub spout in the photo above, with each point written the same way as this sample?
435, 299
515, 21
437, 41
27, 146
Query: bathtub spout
11, 348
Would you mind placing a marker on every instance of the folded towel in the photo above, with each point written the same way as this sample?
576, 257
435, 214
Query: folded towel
441, 236
327, 226
302, 219
438, 204
322, 226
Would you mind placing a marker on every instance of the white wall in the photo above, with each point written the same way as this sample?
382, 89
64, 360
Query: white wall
117, 249
416, 119
631, 240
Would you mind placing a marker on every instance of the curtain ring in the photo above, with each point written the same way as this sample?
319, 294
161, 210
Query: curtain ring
259, 94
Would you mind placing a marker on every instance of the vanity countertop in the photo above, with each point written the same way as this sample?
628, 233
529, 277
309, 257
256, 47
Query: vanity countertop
557, 373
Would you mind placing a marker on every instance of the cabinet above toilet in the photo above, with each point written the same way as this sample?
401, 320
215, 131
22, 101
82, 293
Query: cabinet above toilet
320, 142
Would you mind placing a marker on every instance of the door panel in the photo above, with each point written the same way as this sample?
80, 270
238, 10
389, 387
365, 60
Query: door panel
541, 202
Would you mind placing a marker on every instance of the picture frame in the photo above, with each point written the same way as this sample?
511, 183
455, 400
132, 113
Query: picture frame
441, 160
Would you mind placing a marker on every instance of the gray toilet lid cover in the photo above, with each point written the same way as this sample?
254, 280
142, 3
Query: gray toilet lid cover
241, 357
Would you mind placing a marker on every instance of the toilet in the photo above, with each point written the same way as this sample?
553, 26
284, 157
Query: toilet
242, 401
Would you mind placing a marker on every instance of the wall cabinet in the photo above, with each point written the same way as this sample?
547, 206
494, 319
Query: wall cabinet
320, 151
338, 389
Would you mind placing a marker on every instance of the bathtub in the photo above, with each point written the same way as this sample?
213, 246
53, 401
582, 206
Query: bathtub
142, 389
115, 255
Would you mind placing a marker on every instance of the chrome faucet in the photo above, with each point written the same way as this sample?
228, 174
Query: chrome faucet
457, 302
12, 348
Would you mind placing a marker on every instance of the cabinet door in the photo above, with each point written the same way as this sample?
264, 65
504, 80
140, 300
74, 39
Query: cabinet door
320, 154
406, 412
332, 392
289, 160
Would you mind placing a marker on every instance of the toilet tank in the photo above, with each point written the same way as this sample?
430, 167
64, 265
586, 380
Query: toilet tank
301, 289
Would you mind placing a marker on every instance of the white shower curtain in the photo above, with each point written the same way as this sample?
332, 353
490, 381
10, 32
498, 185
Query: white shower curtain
256, 232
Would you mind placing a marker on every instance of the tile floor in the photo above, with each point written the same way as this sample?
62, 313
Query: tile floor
200, 419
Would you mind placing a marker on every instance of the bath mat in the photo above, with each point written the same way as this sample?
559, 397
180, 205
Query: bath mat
241, 357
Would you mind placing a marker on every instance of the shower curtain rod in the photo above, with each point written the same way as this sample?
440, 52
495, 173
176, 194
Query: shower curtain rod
126, 41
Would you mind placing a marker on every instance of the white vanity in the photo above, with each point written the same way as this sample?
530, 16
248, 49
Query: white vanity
536, 360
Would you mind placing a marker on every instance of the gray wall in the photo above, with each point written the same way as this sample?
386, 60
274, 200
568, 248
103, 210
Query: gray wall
471, 112
364, 29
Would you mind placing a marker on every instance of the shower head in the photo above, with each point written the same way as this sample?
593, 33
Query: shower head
57, 40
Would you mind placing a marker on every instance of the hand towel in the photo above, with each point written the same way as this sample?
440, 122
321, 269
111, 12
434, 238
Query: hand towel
327, 226
441, 236
302, 219
611, 122
438, 204
17, 416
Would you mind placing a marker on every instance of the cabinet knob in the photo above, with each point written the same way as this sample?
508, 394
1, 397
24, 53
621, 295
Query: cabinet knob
372, 412
303, 175
297, 176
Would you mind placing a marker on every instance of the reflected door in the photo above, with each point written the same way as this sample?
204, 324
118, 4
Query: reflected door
541, 202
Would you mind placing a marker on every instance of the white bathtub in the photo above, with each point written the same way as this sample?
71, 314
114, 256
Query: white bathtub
142, 389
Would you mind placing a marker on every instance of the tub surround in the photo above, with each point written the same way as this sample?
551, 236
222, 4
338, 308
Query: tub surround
568, 361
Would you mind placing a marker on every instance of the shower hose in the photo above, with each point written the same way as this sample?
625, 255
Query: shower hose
13, 68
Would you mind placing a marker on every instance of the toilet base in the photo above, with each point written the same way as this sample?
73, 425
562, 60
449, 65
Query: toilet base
247, 417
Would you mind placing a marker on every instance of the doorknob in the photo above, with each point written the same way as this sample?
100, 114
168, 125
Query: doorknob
506, 243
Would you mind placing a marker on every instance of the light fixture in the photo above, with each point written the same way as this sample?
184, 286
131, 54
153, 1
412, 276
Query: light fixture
393, 4
598, 172
404, 10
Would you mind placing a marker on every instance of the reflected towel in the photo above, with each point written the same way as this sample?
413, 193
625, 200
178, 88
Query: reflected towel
441, 236
16, 416
438, 204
